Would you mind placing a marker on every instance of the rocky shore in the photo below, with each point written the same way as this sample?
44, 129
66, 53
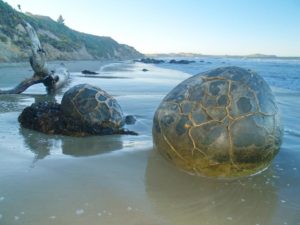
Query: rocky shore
159, 61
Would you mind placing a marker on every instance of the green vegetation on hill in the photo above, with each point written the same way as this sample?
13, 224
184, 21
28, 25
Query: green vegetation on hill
59, 41
9, 19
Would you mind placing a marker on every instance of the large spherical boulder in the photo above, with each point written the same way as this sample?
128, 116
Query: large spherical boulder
220, 123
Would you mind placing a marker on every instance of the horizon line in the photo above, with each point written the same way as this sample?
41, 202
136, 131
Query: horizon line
254, 55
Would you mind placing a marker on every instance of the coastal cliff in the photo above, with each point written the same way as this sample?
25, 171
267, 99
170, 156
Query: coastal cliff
59, 41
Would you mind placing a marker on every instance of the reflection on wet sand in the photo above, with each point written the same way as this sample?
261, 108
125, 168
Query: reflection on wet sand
12, 103
103, 77
185, 199
43, 145
88, 146
117, 67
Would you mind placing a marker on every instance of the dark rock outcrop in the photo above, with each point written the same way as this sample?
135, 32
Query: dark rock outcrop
89, 72
182, 61
45, 117
150, 61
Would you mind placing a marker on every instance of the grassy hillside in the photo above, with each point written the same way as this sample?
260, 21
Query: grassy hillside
59, 41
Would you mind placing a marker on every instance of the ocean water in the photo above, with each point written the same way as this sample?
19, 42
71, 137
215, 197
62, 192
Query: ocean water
53, 179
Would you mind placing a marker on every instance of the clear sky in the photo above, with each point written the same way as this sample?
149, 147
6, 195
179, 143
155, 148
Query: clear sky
198, 26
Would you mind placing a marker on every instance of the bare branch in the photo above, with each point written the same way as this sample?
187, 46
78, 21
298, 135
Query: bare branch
52, 80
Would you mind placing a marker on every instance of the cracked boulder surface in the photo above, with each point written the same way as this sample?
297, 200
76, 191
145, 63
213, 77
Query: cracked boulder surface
91, 105
220, 123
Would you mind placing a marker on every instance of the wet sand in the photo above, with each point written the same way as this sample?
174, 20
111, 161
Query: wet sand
120, 179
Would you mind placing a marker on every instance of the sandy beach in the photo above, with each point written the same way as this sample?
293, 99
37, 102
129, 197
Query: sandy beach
53, 179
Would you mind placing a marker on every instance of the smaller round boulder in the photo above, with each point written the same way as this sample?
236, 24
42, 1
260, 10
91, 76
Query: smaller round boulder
92, 106
84, 110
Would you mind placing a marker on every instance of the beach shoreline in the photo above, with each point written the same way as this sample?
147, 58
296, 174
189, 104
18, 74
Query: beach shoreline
120, 179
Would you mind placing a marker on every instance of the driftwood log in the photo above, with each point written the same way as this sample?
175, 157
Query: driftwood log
52, 79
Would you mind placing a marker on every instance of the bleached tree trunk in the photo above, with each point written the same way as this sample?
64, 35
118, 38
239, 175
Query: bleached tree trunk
53, 80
